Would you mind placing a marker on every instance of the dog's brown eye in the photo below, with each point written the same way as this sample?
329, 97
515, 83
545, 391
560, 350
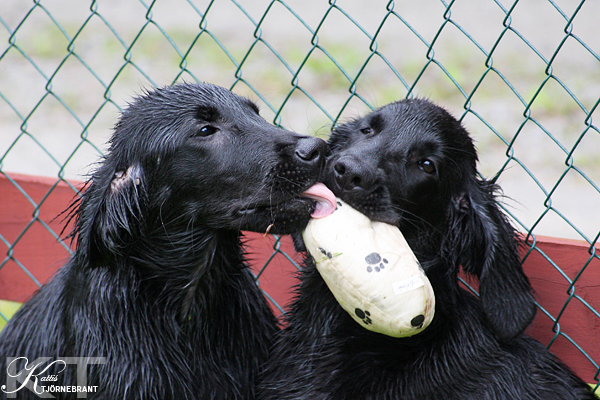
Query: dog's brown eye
366, 131
427, 166
206, 131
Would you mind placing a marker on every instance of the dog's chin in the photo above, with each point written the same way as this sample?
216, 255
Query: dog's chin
377, 212
376, 204
284, 218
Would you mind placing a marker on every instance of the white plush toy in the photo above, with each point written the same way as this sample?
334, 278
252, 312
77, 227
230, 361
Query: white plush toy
371, 271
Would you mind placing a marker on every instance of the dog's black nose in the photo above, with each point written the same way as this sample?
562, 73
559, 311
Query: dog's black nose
310, 150
351, 173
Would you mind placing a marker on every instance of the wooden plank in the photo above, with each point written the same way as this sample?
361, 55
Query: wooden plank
553, 291
22, 226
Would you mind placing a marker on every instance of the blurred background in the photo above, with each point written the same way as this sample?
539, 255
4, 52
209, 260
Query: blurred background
523, 76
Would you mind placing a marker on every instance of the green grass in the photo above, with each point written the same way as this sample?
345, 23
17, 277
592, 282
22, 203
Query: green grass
7, 310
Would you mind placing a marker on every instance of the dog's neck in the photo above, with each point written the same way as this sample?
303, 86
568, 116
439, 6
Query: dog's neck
196, 298
179, 267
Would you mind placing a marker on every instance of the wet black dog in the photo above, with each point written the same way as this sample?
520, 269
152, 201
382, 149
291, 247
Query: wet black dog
413, 165
157, 301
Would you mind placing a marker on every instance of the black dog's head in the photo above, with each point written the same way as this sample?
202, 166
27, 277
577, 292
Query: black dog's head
198, 155
411, 164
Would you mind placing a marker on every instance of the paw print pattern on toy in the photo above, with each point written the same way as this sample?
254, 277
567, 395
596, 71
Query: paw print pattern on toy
371, 271
417, 322
365, 316
376, 262
325, 252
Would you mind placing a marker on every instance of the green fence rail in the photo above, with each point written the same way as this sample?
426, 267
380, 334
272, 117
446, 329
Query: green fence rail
523, 77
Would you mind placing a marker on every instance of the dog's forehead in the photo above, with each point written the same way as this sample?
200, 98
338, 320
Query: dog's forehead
406, 124
200, 100
429, 130
412, 114
162, 118
218, 99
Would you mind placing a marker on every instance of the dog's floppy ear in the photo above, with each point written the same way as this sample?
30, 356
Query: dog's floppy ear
484, 243
110, 215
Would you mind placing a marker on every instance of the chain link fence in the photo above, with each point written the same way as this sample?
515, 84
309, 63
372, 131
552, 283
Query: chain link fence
522, 76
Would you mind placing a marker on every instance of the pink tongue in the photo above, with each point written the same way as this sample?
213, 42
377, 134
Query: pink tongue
324, 197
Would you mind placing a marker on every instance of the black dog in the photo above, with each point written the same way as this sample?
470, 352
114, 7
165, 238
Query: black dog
411, 164
157, 301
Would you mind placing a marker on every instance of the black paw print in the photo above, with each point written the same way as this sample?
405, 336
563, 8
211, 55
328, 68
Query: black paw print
325, 252
377, 263
417, 322
363, 315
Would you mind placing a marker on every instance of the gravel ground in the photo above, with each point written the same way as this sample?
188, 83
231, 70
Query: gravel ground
58, 94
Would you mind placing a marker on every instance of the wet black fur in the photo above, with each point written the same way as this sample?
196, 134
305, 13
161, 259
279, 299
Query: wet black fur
158, 283
411, 164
